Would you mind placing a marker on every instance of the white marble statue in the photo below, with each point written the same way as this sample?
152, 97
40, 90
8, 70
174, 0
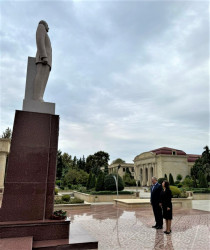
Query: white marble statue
43, 60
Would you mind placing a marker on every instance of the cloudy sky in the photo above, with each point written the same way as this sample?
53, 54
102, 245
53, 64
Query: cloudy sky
127, 76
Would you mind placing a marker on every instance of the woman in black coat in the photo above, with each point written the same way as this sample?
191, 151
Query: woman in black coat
165, 199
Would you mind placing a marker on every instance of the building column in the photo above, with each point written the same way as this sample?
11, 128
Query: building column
149, 174
144, 176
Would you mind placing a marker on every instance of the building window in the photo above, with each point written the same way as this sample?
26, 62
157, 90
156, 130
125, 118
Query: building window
132, 170
173, 152
123, 169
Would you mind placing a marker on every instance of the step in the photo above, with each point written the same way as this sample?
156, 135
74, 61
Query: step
79, 239
23, 243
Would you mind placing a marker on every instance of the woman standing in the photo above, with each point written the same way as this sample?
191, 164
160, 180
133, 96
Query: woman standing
165, 199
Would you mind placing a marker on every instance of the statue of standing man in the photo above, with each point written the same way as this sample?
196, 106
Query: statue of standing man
43, 60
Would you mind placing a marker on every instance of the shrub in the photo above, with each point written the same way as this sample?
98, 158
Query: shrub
58, 182
128, 180
66, 198
82, 189
109, 183
175, 191
179, 177
165, 176
71, 201
110, 192
56, 191
188, 182
76, 200
179, 185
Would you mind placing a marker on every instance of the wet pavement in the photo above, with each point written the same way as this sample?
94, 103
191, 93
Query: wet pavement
121, 228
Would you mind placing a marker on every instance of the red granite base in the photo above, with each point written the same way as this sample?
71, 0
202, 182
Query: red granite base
39, 230
31, 170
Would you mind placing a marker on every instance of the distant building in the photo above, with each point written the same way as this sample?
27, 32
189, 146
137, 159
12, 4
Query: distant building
113, 168
161, 161
122, 169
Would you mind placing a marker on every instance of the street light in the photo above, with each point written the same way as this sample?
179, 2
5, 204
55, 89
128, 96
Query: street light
116, 179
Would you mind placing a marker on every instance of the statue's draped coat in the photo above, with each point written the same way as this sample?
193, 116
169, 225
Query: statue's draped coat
44, 48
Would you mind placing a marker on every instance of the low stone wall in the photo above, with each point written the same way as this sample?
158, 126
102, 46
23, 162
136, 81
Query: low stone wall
201, 196
72, 206
177, 203
102, 198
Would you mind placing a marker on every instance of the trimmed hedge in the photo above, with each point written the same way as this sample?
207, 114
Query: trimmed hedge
71, 201
175, 191
110, 185
110, 192
202, 191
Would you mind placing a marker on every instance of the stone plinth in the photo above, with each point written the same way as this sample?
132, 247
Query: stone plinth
28, 103
4, 150
31, 171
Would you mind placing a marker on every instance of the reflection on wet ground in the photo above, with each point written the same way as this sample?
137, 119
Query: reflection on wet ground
118, 228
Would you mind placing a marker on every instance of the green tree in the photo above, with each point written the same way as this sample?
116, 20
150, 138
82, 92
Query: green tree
93, 182
100, 182
67, 163
75, 177
202, 181
60, 165
74, 163
109, 183
71, 178
90, 163
118, 161
96, 161
106, 170
165, 176
171, 179
201, 165
7, 134
89, 180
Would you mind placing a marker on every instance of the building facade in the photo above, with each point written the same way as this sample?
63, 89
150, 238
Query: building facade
161, 161
122, 169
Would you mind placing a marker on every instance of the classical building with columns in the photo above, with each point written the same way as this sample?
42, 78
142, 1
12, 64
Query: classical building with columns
161, 161
122, 169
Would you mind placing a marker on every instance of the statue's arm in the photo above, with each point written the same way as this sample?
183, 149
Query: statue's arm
40, 41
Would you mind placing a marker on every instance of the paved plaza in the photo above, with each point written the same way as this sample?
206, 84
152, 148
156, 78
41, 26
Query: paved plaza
119, 228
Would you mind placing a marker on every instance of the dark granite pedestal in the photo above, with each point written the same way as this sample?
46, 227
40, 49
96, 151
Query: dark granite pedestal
28, 199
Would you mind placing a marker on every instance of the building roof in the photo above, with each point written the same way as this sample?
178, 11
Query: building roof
167, 151
192, 158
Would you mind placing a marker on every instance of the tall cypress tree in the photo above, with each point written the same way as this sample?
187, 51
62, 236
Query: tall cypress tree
89, 181
100, 182
171, 179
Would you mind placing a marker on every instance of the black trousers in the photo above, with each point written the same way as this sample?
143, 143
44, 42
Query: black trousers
158, 214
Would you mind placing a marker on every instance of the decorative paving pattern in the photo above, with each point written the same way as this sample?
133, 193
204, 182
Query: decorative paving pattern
119, 228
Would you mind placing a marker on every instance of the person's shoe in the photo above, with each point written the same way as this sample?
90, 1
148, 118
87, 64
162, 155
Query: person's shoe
154, 226
167, 232
159, 227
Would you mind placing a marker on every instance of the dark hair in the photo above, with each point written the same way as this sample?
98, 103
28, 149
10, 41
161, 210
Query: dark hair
166, 184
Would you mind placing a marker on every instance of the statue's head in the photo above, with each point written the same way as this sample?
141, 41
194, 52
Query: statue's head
45, 25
